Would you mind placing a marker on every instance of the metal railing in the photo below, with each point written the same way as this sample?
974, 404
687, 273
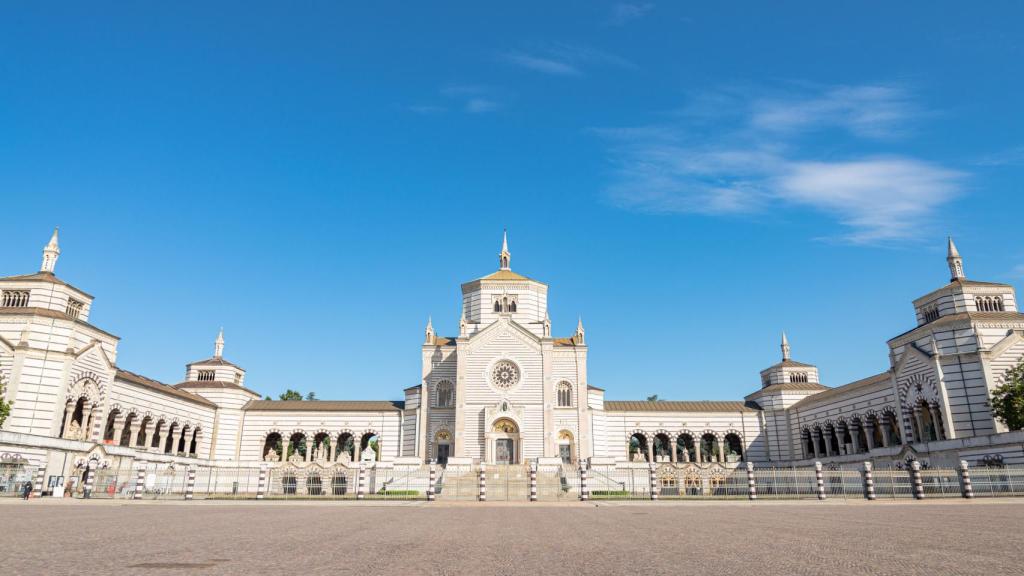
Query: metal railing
998, 481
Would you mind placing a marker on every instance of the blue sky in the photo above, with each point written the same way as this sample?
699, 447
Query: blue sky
692, 178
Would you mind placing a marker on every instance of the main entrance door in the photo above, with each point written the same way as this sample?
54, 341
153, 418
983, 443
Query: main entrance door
504, 451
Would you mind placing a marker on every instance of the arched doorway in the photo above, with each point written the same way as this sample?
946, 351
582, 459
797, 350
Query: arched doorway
733, 446
637, 447
502, 442
662, 445
566, 447
346, 445
685, 448
442, 446
273, 448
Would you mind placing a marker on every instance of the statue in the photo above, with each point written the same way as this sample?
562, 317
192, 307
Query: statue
369, 454
638, 457
271, 455
345, 458
686, 455
74, 431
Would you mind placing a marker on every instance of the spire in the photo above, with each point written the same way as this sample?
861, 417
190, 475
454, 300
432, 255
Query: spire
578, 337
956, 263
462, 325
785, 347
547, 325
218, 344
505, 257
429, 332
50, 254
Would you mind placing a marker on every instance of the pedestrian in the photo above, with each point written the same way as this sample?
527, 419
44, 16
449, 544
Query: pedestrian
26, 490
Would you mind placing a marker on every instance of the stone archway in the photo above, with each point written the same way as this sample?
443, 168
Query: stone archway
502, 444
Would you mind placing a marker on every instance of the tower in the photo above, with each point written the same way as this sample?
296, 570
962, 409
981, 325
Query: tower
956, 263
785, 347
50, 254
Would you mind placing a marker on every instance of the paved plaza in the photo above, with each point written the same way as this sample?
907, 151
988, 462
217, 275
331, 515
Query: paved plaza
904, 538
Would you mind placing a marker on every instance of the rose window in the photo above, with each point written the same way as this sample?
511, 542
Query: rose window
505, 375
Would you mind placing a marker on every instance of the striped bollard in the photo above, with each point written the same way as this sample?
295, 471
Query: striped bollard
432, 486
654, 483
819, 479
261, 485
190, 482
751, 481
483, 483
533, 482
915, 479
966, 489
140, 481
90, 476
37, 485
361, 482
584, 485
869, 482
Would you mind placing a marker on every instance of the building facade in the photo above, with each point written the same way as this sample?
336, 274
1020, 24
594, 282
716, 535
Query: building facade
504, 390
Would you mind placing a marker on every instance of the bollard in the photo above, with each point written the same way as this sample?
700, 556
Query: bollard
483, 483
432, 486
751, 482
361, 482
819, 479
190, 482
654, 483
915, 478
261, 485
966, 489
37, 485
869, 482
533, 482
584, 486
140, 481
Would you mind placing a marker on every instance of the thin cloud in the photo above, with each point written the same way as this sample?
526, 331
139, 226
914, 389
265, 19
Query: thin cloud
564, 59
754, 161
624, 12
542, 64
1010, 157
481, 105
426, 109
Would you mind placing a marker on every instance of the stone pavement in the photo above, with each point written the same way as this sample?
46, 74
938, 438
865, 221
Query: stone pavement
902, 538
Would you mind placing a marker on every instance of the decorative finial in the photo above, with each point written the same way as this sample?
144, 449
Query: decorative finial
429, 332
547, 325
218, 344
956, 263
505, 257
50, 254
463, 325
578, 337
785, 347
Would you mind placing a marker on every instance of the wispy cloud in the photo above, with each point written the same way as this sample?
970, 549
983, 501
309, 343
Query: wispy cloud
426, 109
752, 159
563, 59
480, 105
469, 98
1010, 157
547, 65
625, 12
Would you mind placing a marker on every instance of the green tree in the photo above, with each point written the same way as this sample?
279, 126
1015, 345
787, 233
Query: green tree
1008, 399
653, 398
5, 406
291, 395
311, 396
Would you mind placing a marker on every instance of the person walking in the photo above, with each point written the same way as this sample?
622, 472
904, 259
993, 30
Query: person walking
26, 490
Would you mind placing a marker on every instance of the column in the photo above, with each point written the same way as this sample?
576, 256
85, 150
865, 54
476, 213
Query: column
828, 441
177, 440
869, 434
936, 420
916, 480
699, 449
721, 450
673, 444
869, 482
161, 432
650, 449
357, 445
86, 424
285, 443
751, 482
819, 480
333, 450
919, 418
118, 430
69, 412
133, 432
309, 453
966, 489
855, 437
886, 424
817, 445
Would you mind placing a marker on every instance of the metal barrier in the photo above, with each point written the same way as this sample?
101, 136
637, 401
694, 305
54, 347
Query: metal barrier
458, 483
785, 483
608, 483
892, 482
404, 483
998, 481
843, 481
558, 483
508, 482
114, 483
941, 483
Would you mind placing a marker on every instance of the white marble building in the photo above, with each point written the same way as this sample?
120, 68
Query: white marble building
504, 390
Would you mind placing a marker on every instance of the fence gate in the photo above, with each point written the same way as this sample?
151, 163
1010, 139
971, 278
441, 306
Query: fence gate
607, 483
508, 482
458, 483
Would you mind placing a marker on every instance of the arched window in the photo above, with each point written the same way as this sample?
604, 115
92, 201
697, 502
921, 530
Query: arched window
445, 394
997, 304
931, 314
497, 306
512, 306
564, 392
798, 377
